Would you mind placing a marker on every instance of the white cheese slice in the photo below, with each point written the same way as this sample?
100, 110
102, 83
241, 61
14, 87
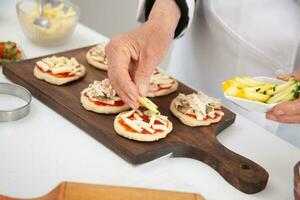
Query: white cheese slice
137, 117
74, 61
160, 127
139, 112
132, 125
97, 58
162, 121
127, 114
76, 70
64, 69
48, 61
152, 119
43, 65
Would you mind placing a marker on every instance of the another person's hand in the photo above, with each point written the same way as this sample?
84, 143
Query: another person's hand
133, 56
287, 112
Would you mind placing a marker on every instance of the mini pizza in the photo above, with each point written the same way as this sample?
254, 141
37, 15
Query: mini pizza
58, 70
162, 84
142, 125
100, 97
96, 57
196, 109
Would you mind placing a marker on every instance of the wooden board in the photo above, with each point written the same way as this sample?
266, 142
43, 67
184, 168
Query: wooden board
198, 143
80, 191
297, 181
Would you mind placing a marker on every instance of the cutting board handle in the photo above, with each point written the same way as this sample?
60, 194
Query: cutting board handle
242, 173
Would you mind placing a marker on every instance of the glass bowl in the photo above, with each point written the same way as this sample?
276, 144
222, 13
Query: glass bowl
63, 16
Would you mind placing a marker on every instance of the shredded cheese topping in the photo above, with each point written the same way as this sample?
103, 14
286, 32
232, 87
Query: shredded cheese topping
97, 53
160, 79
59, 65
199, 104
138, 124
102, 91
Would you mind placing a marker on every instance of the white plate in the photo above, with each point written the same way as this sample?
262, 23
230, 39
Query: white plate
254, 105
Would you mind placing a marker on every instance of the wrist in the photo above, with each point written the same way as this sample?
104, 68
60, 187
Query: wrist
165, 15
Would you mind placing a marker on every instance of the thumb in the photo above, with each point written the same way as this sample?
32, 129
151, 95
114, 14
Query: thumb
143, 75
285, 77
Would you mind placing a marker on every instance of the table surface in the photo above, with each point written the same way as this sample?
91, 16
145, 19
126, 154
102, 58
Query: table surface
43, 149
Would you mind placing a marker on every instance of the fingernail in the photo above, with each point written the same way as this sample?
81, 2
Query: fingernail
143, 89
282, 76
271, 117
131, 96
278, 112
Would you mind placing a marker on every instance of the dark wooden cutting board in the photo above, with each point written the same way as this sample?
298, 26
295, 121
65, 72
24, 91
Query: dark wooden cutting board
198, 143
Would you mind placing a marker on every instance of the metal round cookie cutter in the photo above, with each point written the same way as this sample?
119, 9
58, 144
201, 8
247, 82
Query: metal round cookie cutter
18, 91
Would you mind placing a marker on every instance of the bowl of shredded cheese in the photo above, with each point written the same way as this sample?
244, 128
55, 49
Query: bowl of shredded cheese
62, 15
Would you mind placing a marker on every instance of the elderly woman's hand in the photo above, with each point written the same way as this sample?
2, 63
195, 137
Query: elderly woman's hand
287, 112
133, 56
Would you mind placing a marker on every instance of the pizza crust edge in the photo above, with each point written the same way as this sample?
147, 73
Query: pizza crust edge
55, 80
189, 121
138, 136
165, 91
88, 105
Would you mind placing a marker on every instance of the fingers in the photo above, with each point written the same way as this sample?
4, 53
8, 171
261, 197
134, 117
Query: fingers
119, 58
287, 108
295, 74
284, 118
287, 112
142, 76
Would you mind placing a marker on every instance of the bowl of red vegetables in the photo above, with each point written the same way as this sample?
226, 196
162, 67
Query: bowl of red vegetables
10, 52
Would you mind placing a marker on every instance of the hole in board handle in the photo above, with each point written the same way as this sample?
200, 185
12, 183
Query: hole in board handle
245, 166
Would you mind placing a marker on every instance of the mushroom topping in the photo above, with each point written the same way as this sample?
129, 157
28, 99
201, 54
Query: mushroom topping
102, 91
97, 53
199, 105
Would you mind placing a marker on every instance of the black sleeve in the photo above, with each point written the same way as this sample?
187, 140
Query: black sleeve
184, 19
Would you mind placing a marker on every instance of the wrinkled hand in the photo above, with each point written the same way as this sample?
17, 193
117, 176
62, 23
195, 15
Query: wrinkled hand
287, 112
132, 58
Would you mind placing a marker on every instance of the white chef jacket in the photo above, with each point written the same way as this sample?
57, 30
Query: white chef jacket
222, 39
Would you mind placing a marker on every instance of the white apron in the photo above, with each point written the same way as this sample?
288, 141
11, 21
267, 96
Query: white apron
239, 37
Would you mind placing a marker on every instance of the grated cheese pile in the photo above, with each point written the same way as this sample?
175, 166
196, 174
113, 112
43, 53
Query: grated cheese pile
59, 65
161, 80
138, 124
102, 91
97, 53
199, 104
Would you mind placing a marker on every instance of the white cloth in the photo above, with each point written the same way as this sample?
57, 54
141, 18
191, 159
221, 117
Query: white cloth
239, 37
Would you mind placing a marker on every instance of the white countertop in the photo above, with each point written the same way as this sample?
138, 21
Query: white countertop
43, 149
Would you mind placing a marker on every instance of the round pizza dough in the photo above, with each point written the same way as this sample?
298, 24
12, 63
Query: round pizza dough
88, 105
94, 63
190, 121
139, 136
56, 80
164, 91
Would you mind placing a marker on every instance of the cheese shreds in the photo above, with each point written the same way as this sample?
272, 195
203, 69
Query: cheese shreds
59, 65
159, 127
161, 79
137, 117
127, 114
132, 125
152, 119
139, 112
97, 53
138, 124
102, 91
198, 104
